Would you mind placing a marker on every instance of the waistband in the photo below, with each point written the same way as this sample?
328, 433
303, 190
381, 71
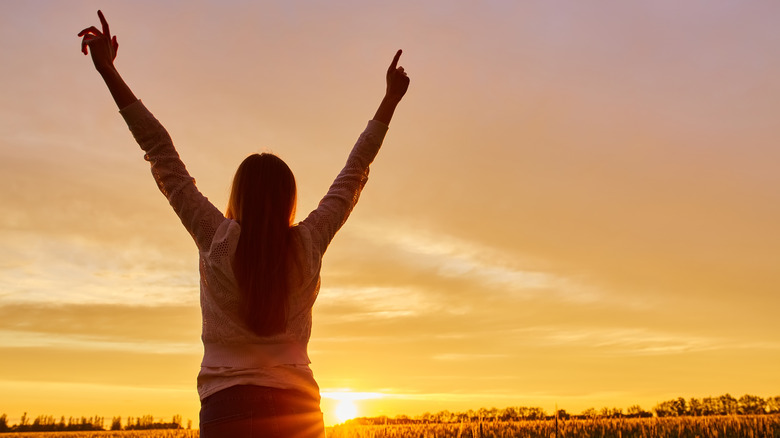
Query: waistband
254, 355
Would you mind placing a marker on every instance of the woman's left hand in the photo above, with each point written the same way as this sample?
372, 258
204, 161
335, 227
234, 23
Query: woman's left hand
102, 44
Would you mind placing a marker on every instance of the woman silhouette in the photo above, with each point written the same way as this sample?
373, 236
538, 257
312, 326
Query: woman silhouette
259, 272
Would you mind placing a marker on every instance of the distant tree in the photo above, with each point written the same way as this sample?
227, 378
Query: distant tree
729, 405
43, 423
680, 406
710, 406
590, 413
751, 405
666, 409
4, 423
536, 413
522, 413
611, 413
445, 417
509, 414
562, 414
695, 407
636, 411
663, 409
773, 404
116, 423
189, 424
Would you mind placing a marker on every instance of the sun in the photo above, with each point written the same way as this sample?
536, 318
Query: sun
346, 410
342, 404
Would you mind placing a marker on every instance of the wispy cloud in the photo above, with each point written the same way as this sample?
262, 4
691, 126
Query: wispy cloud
626, 340
76, 343
173, 329
359, 303
488, 269
71, 269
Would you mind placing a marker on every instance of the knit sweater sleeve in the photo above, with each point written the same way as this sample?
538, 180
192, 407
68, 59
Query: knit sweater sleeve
199, 216
335, 207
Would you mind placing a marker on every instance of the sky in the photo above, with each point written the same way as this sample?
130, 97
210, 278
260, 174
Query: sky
576, 204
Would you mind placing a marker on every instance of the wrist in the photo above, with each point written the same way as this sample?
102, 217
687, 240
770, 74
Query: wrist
390, 99
106, 70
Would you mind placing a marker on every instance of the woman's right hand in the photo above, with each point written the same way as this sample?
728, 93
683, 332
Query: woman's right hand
102, 45
397, 80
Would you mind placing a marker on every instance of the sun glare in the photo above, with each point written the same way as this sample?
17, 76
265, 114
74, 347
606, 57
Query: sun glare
346, 407
346, 410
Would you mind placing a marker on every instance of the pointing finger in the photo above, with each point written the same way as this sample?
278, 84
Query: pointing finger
104, 23
395, 61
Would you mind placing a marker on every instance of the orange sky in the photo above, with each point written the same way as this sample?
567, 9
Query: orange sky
575, 204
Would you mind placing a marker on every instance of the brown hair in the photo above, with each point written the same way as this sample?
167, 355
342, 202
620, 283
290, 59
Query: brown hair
262, 201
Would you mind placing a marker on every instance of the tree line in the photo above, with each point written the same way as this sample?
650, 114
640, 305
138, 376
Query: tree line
49, 423
721, 405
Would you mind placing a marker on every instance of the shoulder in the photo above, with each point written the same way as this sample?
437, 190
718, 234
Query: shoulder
223, 243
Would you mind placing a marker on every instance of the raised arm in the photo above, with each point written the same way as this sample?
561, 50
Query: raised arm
397, 84
104, 48
197, 214
334, 209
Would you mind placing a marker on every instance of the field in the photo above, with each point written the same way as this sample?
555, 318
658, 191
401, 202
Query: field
682, 427
107, 434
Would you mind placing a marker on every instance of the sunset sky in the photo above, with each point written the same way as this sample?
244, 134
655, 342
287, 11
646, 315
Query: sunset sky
576, 203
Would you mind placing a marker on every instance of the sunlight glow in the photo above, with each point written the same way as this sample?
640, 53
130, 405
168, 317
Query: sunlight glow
346, 410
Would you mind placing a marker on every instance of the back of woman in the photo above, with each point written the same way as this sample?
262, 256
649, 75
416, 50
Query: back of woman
259, 272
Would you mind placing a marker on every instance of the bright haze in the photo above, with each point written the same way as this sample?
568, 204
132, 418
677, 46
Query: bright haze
576, 203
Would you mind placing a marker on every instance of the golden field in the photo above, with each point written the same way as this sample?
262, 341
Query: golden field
680, 427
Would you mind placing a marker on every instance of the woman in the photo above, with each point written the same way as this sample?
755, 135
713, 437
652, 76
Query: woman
259, 272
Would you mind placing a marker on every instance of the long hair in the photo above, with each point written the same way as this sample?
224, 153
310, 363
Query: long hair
262, 201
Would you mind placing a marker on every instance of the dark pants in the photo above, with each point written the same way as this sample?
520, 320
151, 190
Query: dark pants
248, 411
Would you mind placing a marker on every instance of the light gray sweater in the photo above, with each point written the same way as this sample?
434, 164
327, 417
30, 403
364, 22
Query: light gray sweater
233, 354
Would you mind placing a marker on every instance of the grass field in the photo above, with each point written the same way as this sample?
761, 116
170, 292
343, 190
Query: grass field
107, 434
760, 426
678, 427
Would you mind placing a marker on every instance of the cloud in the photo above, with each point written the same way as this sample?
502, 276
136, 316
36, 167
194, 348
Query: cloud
110, 327
447, 259
17, 339
72, 269
360, 303
630, 341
